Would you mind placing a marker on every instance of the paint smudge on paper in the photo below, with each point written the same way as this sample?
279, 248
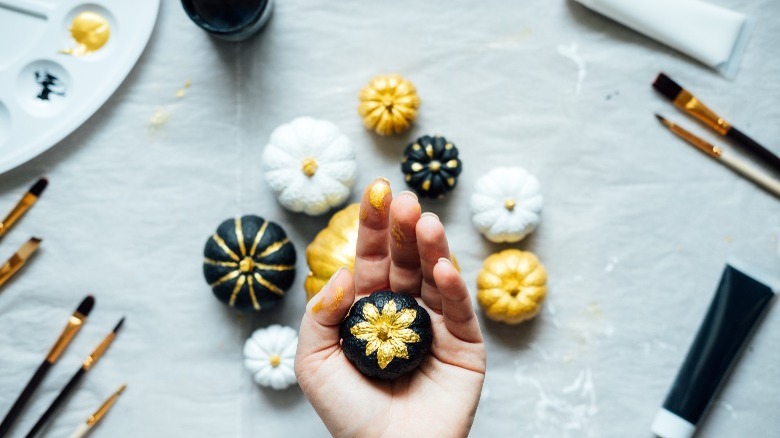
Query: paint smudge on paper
571, 52
183, 91
160, 117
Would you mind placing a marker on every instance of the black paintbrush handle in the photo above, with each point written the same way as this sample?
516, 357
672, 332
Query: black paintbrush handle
56, 403
748, 143
23, 398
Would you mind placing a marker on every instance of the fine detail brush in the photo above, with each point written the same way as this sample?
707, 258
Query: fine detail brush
84, 428
75, 323
9, 268
87, 365
684, 100
732, 162
24, 204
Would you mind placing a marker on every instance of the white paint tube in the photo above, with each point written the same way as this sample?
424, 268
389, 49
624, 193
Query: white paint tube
711, 34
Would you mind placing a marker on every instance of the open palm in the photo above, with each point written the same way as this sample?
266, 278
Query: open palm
400, 249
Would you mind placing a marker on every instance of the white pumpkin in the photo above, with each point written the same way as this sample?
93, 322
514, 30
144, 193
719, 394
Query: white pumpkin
506, 204
310, 165
269, 354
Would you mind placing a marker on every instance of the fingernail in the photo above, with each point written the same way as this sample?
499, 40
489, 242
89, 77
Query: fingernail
376, 195
429, 214
445, 260
333, 278
408, 193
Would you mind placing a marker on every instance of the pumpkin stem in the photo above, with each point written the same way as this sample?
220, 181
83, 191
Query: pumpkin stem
246, 264
509, 204
275, 360
309, 166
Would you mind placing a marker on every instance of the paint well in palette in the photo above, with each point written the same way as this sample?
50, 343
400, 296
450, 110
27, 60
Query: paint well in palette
91, 31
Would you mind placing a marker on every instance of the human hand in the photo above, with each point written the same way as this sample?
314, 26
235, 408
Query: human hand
398, 249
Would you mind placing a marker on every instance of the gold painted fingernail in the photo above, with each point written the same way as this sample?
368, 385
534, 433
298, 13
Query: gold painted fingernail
377, 193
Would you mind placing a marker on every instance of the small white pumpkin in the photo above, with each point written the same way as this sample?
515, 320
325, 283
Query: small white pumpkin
506, 204
310, 165
269, 354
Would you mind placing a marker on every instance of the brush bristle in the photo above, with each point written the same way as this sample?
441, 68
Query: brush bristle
119, 324
39, 186
36, 240
660, 118
86, 305
666, 86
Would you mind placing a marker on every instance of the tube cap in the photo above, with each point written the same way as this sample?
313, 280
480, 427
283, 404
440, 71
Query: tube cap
670, 425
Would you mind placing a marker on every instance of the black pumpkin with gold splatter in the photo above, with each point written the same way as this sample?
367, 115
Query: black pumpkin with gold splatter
386, 334
431, 166
249, 263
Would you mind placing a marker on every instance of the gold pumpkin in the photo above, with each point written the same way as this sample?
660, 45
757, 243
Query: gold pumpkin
334, 247
512, 286
388, 104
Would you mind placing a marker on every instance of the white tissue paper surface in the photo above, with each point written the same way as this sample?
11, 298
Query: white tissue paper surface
636, 227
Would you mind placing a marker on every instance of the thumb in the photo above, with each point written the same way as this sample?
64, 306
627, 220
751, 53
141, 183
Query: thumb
319, 332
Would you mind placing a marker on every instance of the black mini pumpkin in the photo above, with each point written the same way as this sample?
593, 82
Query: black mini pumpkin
431, 166
249, 263
386, 334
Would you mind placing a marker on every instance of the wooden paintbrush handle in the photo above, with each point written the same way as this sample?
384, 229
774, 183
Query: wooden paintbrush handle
762, 179
748, 143
81, 431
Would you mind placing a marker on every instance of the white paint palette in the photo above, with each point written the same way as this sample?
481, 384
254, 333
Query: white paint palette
46, 94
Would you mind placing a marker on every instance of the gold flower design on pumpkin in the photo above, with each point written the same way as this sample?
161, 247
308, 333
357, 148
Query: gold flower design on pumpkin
387, 332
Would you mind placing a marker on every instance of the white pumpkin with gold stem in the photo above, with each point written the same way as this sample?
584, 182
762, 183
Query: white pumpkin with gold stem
269, 354
310, 165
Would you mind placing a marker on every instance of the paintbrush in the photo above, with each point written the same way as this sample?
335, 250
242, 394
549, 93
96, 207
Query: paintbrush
86, 427
734, 163
18, 259
87, 365
75, 322
24, 204
684, 100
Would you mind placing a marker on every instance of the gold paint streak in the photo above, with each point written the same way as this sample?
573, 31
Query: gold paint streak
272, 248
429, 150
252, 295
227, 277
451, 181
91, 32
426, 185
264, 267
398, 235
363, 215
309, 166
416, 167
317, 307
221, 243
334, 305
448, 146
275, 360
376, 196
236, 289
240, 236
220, 263
258, 236
272, 287
452, 163
408, 177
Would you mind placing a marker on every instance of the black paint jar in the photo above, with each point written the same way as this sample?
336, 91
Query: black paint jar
231, 20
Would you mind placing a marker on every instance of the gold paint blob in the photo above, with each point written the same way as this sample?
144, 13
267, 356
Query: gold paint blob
377, 193
275, 360
512, 286
309, 166
510, 204
91, 32
386, 333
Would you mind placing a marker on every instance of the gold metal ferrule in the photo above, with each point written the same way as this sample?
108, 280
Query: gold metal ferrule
693, 106
99, 350
74, 324
103, 409
16, 261
693, 139
21, 207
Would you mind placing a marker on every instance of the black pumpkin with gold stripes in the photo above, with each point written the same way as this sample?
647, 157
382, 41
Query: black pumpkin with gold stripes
249, 263
431, 166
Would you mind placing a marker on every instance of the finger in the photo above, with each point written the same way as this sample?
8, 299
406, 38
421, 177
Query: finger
320, 324
405, 274
457, 309
432, 245
372, 259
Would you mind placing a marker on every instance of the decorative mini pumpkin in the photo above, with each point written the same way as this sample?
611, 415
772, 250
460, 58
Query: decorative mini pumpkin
310, 165
431, 166
506, 204
249, 263
269, 354
386, 334
388, 104
511, 286
334, 247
